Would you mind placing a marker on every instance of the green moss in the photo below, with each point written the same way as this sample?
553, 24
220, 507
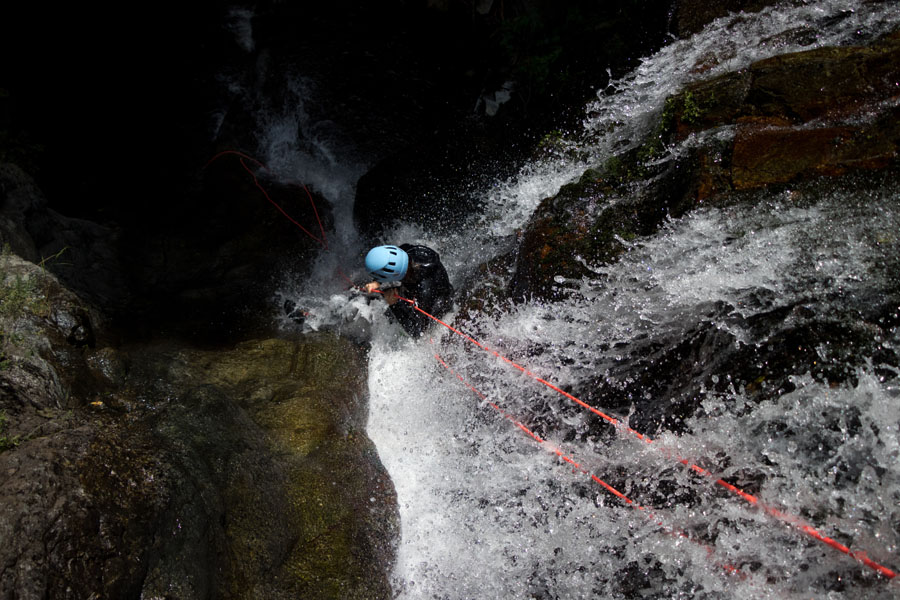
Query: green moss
19, 294
320, 560
691, 112
630, 166
669, 115
690, 107
6, 441
311, 530
686, 108
552, 142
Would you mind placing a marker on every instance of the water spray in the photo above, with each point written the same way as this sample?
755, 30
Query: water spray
618, 424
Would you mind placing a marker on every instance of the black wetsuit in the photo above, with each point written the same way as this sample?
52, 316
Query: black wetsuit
427, 284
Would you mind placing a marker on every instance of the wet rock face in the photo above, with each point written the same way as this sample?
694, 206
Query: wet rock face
767, 152
590, 222
48, 527
827, 115
312, 505
826, 112
822, 112
161, 470
705, 360
692, 15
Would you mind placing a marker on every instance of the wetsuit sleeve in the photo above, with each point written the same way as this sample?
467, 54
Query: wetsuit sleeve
412, 320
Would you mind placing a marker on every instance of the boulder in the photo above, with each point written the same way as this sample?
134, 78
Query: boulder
82, 253
589, 223
824, 112
691, 16
771, 153
161, 469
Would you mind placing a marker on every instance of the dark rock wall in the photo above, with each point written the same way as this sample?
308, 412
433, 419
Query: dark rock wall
157, 468
118, 117
153, 436
161, 469
529, 68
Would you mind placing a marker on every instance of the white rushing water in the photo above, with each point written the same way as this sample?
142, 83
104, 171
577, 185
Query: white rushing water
488, 512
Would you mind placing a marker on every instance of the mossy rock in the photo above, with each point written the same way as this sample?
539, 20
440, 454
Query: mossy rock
795, 88
588, 224
307, 397
236, 473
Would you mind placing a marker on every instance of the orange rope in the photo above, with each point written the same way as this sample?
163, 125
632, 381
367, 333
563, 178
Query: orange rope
242, 157
577, 467
750, 498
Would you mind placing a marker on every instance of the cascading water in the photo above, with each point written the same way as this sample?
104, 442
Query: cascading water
487, 512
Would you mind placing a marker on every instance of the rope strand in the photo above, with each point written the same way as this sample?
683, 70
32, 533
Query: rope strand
618, 424
796, 522
578, 468
242, 158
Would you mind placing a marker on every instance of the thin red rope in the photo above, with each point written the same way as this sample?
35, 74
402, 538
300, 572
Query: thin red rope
577, 467
750, 498
242, 157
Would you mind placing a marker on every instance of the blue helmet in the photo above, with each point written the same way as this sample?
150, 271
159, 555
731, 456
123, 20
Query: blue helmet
387, 263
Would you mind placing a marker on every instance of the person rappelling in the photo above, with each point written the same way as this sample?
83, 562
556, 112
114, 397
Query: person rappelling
410, 276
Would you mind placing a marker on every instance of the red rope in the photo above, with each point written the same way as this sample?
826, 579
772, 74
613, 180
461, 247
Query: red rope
750, 498
242, 157
577, 467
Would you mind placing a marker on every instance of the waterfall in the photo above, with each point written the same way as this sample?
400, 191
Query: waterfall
487, 512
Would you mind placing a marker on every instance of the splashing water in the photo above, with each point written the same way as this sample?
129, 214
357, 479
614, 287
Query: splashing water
488, 512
